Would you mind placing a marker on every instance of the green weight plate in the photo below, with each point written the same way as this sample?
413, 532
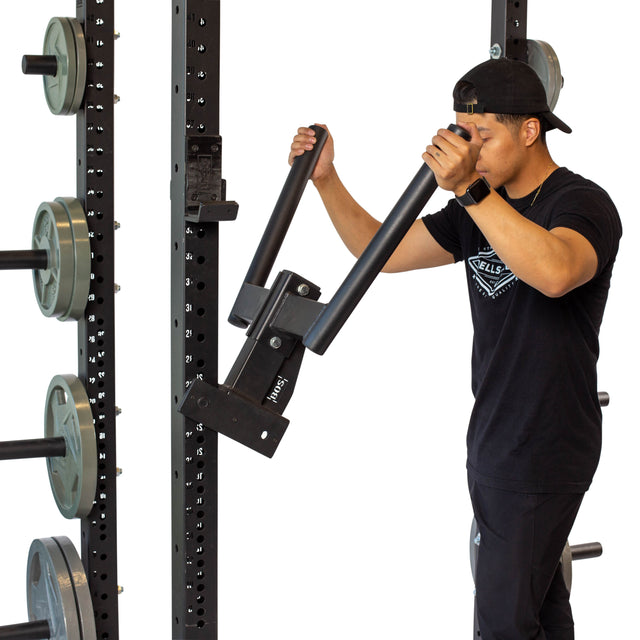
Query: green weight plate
64, 39
62, 289
82, 258
81, 64
543, 59
474, 544
84, 605
50, 592
54, 285
565, 563
73, 477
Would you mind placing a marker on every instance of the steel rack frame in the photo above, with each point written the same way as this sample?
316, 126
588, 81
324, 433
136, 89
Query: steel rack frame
197, 206
96, 330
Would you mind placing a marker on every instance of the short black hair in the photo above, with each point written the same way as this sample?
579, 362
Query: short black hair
465, 92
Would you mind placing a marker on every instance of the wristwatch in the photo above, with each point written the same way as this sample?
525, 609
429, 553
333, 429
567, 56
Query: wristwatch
476, 192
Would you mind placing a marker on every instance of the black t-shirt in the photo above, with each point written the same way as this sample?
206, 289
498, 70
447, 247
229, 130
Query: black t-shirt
536, 421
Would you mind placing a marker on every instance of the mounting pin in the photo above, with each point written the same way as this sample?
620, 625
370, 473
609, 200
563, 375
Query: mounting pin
495, 51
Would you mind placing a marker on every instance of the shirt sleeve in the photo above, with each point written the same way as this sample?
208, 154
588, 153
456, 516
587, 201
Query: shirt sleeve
592, 214
444, 226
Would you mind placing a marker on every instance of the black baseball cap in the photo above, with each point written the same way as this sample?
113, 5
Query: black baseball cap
504, 85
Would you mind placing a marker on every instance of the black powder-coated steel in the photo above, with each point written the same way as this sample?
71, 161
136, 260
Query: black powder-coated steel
40, 65
374, 257
31, 259
196, 187
96, 330
509, 28
38, 630
39, 448
284, 210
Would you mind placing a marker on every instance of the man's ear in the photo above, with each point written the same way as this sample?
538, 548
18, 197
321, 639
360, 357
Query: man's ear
530, 131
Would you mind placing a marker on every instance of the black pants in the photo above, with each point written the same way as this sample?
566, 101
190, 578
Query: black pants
520, 591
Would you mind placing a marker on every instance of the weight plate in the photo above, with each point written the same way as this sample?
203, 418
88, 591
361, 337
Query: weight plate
544, 61
54, 285
81, 65
86, 619
82, 258
50, 592
73, 477
565, 563
64, 39
474, 544
62, 288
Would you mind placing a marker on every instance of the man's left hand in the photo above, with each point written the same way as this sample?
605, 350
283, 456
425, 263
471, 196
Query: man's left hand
453, 160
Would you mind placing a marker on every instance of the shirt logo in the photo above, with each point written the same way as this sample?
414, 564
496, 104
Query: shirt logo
491, 276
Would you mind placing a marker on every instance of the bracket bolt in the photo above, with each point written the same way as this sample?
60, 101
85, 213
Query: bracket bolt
495, 51
275, 342
303, 290
202, 402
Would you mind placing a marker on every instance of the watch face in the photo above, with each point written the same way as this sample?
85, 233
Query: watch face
479, 190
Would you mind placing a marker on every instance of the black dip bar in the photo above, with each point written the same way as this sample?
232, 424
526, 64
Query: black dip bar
287, 318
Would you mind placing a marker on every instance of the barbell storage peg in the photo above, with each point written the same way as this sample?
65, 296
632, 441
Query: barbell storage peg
58, 598
569, 554
69, 446
577, 552
63, 65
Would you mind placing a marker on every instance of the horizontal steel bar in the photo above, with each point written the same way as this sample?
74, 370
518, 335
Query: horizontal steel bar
40, 448
36, 259
40, 65
38, 630
586, 551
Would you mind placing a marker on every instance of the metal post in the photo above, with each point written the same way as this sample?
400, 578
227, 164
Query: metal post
36, 259
197, 206
38, 630
509, 29
96, 339
39, 448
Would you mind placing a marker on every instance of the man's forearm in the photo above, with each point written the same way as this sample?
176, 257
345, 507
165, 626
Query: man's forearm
354, 225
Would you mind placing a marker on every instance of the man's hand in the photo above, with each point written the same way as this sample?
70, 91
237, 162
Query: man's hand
453, 160
305, 140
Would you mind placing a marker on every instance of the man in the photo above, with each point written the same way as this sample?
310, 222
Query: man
539, 243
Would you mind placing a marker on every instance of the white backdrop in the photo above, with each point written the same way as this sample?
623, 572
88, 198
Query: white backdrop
358, 527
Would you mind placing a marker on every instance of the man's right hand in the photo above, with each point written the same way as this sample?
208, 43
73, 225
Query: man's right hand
303, 141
